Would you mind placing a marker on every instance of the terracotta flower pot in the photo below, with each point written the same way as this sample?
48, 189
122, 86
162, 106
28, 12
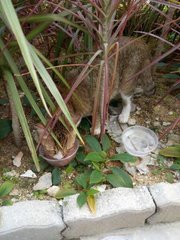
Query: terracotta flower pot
63, 161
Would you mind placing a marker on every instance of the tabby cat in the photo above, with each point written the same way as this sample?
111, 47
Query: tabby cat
132, 59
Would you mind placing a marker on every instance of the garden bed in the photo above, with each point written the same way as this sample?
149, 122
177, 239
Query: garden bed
158, 118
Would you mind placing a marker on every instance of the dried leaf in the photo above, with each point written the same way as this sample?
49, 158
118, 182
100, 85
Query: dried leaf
91, 203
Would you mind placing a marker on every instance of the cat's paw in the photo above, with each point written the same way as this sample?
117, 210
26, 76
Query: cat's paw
123, 118
97, 131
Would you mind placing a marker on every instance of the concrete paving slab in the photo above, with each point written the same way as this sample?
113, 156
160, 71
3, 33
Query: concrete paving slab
31, 220
116, 208
167, 200
170, 231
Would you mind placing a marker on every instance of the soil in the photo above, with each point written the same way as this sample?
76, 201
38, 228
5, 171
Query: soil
147, 113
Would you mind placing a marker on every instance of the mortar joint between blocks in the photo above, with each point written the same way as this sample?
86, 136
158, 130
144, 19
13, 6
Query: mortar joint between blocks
66, 226
156, 208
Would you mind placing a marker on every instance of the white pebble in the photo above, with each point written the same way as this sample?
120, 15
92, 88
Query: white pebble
165, 124
132, 121
45, 182
52, 191
28, 174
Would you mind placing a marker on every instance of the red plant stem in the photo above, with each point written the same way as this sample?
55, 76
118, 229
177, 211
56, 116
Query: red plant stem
53, 120
105, 93
155, 61
171, 127
96, 101
165, 95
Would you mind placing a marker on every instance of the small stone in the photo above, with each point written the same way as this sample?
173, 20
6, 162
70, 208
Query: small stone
132, 121
101, 188
45, 181
120, 149
156, 124
14, 200
14, 192
170, 113
168, 163
156, 151
173, 139
165, 124
177, 175
148, 122
138, 108
58, 155
12, 173
52, 191
28, 174
142, 168
17, 159
130, 168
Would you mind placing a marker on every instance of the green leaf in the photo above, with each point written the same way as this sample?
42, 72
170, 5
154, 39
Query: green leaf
4, 101
96, 166
43, 164
21, 81
6, 188
56, 179
170, 75
5, 127
124, 157
52, 88
96, 177
93, 143
119, 178
106, 143
7, 203
84, 125
83, 179
10, 18
92, 191
169, 177
61, 17
175, 166
69, 169
161, 64
80, 156
65, 193
81, 199
21, 115
173, 151
95, 157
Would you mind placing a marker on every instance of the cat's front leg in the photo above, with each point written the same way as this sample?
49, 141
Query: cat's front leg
124, 116
97, 127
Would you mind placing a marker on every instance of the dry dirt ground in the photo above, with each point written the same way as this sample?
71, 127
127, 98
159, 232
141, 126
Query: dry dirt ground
148, 114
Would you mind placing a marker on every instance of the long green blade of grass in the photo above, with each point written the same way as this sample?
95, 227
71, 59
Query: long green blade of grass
22, 118
53, 89
12, 21
55, 17
21, 81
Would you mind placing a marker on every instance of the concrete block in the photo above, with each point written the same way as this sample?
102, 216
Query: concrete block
167, 231
116, 208
31, 220
167, 199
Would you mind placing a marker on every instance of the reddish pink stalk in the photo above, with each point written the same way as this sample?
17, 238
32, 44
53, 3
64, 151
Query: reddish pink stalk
171, 127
